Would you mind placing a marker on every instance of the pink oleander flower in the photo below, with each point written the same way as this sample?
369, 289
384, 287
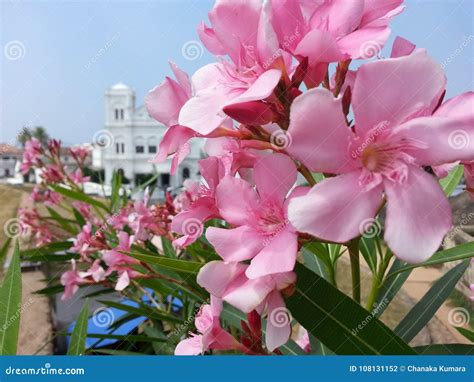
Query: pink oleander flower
82, 242
381, 157
262, 232
163, 103
142, 219
52, 198
332, 30
78, 177
210, 333
119, 262
189, 195
84, 209
79, 154
96, 272
190, 222
242, 31
301, 337
31, 155
52, 174
228, 281
71, 280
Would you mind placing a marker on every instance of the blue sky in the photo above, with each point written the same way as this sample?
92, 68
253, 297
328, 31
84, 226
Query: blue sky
66, 53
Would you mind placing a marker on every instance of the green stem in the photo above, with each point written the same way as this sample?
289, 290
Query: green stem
353, 248
377, 282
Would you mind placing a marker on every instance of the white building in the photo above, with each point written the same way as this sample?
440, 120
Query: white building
130, 140
10, 158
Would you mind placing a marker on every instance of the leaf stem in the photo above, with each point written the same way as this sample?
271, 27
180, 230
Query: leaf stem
353, 247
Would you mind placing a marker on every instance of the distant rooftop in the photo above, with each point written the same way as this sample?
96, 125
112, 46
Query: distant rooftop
120, 86
5, 148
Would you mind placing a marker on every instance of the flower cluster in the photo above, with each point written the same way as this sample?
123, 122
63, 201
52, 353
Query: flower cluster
270, 110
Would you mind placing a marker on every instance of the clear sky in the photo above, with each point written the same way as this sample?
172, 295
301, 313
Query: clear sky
58, 57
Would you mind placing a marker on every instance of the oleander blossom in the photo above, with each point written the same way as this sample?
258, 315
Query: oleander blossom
381, 157
261, 231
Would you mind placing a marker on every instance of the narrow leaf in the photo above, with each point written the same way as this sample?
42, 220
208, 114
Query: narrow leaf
390, 288
450, 182
417, 318
10, 306
183, 266
77, 346
339, 322
460, 252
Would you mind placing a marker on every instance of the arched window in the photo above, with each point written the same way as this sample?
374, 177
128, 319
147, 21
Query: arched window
117, 114
121, 114
186, 173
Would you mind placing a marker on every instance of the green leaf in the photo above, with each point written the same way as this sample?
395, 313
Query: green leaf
417, 318
369, 252
146, 312
4, 250
338, 321
460, 252
390, 288
447, 349
449, 183
469, 334
316, 259
80, 196
115, 195
168, 249
182, 266
59, 246
10, 306
61, 221
77, 345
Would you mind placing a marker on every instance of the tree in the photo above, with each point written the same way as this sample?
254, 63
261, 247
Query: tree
38, 132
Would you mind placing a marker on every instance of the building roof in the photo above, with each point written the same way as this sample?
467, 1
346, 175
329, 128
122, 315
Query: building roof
5, 148
120, 86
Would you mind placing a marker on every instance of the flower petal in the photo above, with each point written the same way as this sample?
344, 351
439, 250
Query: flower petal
318, 134
416, 83
277, 256
236, 244
335, 209
278, 323
236, 200
274, 176
418, 216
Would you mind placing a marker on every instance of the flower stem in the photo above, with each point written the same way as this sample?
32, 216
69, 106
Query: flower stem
353, 247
